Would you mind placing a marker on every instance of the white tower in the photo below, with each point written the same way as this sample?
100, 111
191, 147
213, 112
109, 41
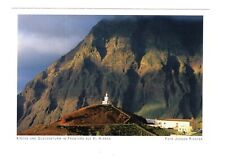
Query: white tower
106, 99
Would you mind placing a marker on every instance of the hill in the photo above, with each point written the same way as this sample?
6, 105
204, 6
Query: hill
93, 120
99, 115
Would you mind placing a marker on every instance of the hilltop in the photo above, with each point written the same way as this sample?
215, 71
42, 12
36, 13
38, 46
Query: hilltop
93, 120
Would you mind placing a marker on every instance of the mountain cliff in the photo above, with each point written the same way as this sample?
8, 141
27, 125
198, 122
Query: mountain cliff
149, 65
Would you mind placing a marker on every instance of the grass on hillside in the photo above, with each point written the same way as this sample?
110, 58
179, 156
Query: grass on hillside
115, 130
152, 110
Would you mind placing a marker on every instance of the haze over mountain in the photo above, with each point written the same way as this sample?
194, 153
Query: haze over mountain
150, 65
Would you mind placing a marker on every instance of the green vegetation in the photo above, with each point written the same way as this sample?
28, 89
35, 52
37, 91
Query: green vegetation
197, 134
151, 110
112, 130
158, 131
118, 130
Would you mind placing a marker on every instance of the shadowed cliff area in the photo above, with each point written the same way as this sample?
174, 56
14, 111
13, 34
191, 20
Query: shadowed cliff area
150, 65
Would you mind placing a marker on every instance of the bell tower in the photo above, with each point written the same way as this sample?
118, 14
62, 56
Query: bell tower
106, 100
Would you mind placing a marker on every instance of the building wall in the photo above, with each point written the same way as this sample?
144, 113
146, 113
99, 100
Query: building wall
181, 126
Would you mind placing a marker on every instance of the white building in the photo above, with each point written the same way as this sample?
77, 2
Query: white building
106, 100
181, 125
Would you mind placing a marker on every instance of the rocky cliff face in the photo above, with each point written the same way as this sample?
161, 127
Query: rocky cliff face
148, 65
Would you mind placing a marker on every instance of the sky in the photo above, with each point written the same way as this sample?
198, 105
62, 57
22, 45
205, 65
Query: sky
42, 39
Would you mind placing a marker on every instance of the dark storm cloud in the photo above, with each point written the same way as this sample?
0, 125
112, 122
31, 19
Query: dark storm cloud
188, 18
53, 33
57, 25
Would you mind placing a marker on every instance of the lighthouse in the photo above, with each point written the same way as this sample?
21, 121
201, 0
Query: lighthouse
106, 100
